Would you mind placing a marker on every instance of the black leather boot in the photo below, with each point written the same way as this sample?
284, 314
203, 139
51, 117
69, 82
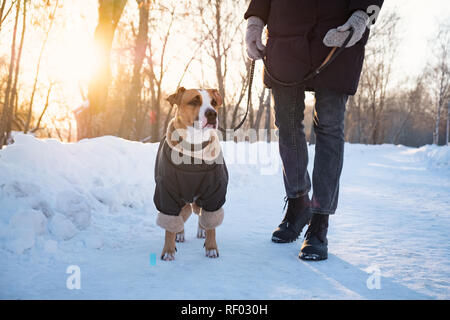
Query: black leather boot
297, 215
315, 245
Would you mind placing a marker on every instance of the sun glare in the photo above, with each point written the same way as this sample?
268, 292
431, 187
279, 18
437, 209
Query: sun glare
71, 62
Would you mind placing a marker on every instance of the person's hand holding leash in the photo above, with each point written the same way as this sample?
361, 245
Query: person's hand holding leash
336, 37
255, 48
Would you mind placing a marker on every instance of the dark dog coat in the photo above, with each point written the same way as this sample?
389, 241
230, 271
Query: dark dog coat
197, 181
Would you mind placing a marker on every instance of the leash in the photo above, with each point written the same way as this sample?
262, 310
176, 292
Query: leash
251, 73
334, 53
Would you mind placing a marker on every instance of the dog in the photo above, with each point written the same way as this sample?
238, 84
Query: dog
190, 173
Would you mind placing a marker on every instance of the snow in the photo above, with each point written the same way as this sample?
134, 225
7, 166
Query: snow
89, 204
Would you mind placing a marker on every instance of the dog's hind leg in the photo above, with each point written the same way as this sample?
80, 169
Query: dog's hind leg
201, 232
185, 214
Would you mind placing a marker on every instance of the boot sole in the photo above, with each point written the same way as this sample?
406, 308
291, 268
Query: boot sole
279, 240
312, 257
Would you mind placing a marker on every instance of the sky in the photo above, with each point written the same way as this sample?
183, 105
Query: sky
419, 23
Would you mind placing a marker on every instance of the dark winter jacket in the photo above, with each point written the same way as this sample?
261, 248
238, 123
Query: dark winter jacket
296, 29
179, 184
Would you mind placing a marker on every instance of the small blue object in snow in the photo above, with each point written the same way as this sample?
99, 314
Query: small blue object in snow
153, 259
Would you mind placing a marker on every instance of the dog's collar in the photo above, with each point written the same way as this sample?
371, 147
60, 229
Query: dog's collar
208, 150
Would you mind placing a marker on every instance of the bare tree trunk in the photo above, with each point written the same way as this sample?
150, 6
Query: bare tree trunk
2, 8
14, 95
218, 61
245, 82
436, 125
7, 106
4, 14
30, 108
109, 13
260, 109
440, 75
448, 124
221, 25
128, 129
47, 101
156, 80
69, 138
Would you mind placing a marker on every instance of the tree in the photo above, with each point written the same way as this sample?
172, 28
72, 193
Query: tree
14, 93
165, 22
439, 77
448, 125
109, 13
366, 108
157, 66
36, 77
5, 12
130, 116
222, 26
7, 105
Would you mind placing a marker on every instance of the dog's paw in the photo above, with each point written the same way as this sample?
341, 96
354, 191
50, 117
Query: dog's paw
212, 253
201, 233
168, 256
180, 237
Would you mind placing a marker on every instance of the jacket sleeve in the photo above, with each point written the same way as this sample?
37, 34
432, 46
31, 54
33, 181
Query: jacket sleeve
259, 8
364, 4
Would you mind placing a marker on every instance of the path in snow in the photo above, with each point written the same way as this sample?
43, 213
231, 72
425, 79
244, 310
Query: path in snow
393, 215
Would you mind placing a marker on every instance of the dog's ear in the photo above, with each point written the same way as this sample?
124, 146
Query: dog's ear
216, 96
176, 97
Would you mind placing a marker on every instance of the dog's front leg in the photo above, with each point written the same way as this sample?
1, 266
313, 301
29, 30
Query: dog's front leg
168, 253
201, 232
185, 214
172, 225
210, 244
210, 220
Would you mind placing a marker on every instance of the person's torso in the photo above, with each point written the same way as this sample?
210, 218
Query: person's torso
289, 18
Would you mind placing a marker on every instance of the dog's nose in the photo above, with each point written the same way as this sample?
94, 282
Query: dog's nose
211, 116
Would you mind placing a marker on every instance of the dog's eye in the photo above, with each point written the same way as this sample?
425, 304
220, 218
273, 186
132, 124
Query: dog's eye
196, 101
214, 103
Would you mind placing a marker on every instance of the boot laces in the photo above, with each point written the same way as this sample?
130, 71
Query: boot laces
286, 200
284, 212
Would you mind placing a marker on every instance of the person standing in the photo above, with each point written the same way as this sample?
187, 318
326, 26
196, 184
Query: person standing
300, 35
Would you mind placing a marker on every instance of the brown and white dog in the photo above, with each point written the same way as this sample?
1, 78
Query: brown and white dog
190, 173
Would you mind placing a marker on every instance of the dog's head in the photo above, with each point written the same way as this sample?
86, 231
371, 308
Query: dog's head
197, 107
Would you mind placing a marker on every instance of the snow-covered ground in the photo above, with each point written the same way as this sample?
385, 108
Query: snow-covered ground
90, 204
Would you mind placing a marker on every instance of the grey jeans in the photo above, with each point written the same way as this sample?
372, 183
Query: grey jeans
329, 115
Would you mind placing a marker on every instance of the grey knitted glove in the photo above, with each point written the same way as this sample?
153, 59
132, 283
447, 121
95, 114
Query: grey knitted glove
255, 48
336, 37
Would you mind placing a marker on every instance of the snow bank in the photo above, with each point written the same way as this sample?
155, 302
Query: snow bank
50, 190
434, 156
